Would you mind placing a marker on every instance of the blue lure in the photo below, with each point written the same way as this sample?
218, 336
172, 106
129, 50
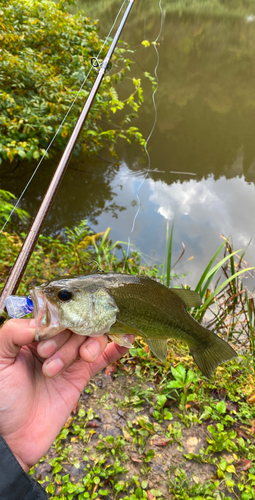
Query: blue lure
17, 306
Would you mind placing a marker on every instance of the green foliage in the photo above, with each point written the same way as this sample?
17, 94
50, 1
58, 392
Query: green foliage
221, 439
6, 207
75, 251
44, 58
183, 380
217, 412
160, 413
180, 486
114, 446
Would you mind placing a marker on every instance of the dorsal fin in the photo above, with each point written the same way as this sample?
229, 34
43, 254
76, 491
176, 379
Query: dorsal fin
189, 297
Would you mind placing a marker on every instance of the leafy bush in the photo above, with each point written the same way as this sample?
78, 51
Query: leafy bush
6, 207
45, 55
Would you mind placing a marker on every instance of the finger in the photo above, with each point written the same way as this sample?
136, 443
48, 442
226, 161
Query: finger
92, 348
111, 353
46, 348
69, 352
13, 335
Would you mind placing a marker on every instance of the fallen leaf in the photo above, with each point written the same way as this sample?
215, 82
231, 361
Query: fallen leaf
69, 421
251, 399
127, 435
244, 464
135, 458
195, 479
110, 369
93, 423
248, 464
150, 495
75, 408
159, 441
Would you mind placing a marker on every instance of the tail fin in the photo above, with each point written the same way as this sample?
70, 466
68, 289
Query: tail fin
209, 357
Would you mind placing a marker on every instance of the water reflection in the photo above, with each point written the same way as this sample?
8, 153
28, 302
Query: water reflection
84, 193
202, 210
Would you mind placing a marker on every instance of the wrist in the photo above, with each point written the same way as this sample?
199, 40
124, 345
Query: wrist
24, 466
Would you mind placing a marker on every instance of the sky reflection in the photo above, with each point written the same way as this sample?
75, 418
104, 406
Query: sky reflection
202, 210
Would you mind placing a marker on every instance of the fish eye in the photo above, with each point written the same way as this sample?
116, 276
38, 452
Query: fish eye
64, 295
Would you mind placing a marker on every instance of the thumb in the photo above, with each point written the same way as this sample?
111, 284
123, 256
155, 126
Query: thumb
14, 334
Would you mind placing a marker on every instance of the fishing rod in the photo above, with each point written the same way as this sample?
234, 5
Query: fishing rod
22, 260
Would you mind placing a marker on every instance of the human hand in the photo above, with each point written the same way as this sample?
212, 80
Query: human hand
33, 405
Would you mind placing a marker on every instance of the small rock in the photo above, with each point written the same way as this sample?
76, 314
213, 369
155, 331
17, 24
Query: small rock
192, 445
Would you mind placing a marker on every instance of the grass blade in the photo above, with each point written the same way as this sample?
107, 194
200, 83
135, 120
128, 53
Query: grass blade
202, 279
212, 295
169, 257
214, 270
164, 261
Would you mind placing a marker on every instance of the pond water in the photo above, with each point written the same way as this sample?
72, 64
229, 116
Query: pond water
202, 172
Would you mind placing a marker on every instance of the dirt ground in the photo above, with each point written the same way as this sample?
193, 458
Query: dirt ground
105, 428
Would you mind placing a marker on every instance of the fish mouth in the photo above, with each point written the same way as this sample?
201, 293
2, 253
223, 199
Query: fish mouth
46, 316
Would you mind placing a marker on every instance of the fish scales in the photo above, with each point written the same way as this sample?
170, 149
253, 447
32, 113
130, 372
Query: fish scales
118, 304
156, 311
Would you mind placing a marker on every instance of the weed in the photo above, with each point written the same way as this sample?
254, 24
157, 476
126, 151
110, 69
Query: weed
160, 413
221, 439
112, 445
183, 489
183, 379
217, 412
140, 429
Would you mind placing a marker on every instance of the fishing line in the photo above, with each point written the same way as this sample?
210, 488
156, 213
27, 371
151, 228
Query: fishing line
64, 119
152, 129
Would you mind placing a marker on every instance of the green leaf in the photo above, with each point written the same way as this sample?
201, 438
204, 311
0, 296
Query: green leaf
191, 377
161, 399
231, 469
179, 372
221, 407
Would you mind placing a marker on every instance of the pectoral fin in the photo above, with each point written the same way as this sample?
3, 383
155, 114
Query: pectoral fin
118, 333
120, 339
189, 297
158, 347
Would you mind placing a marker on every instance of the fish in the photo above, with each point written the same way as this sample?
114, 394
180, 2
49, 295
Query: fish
119, 304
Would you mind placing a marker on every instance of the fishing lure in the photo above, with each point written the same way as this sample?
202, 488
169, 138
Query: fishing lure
17, 306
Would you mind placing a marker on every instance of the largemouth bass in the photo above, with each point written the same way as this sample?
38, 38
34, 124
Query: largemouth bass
120, 304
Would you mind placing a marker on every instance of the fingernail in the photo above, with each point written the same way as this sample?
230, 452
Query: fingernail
32, 323
46, 348
54, 367
93, 347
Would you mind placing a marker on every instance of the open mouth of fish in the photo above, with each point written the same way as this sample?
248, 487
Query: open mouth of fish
46, 316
